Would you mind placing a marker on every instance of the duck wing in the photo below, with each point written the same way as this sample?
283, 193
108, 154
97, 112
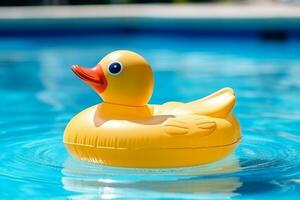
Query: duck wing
218, 104
189, 124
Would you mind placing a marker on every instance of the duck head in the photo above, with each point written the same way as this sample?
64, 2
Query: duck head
121, 77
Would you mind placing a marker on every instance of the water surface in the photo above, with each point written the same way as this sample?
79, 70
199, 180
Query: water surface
39, 95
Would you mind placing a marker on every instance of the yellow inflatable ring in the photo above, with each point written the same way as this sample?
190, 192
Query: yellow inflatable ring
126, 131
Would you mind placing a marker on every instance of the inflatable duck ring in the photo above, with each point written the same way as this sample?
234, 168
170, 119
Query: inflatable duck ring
125, 131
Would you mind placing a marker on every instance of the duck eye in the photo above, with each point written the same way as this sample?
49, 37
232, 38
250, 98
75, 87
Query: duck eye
115, 68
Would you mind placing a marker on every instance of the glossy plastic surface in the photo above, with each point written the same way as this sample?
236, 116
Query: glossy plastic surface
126, 131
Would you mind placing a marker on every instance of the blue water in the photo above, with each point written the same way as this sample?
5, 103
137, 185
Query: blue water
39, 95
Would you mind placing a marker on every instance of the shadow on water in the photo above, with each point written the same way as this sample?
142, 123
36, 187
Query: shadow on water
254, 187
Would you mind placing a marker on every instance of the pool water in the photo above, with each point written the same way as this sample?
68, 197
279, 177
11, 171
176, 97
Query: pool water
39, 94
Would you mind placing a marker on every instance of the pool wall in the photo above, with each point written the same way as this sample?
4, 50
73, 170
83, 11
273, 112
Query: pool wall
269, 21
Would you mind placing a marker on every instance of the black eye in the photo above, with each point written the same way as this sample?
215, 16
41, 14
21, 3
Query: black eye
115, 68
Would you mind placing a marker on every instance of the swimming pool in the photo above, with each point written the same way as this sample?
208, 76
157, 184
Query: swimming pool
39, 95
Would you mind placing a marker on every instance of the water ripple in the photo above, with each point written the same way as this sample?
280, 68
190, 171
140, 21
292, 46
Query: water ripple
36, 154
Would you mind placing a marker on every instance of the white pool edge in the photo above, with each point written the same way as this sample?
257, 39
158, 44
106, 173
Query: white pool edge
178, 11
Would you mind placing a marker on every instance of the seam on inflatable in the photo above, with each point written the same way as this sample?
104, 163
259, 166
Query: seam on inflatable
120, 148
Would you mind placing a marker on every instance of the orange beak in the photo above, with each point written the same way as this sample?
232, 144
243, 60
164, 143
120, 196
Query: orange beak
93, 77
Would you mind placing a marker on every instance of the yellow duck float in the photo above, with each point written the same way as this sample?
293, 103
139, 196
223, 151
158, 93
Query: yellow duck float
124, 130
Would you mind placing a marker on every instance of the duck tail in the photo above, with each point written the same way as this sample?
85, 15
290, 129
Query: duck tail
218, 104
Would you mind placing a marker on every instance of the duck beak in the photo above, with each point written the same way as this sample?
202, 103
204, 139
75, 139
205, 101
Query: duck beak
94, 77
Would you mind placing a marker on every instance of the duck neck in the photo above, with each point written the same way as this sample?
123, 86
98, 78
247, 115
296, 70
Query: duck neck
107, 110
